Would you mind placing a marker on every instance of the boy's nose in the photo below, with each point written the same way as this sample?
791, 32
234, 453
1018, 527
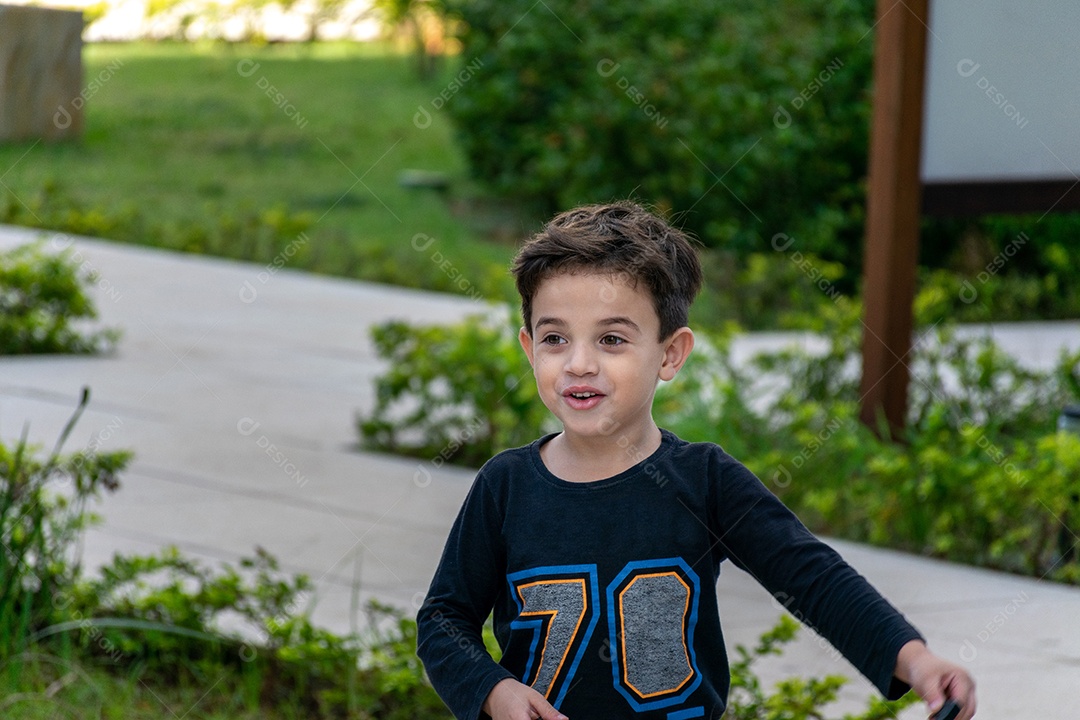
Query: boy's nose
582, 361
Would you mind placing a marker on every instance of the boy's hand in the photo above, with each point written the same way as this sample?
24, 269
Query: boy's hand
935, 679
511, 700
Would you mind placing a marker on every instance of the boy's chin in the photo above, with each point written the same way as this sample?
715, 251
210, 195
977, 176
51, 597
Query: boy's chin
592, 429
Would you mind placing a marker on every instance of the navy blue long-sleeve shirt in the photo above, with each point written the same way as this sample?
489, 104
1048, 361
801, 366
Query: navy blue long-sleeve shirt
603, 593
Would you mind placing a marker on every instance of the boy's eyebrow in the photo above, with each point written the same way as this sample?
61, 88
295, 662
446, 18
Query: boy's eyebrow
550, 321
617, 320
620, 320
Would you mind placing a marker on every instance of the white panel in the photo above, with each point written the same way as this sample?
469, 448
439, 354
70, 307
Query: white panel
1002, 90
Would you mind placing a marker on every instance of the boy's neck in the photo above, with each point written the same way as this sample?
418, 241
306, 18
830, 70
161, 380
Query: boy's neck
585, 459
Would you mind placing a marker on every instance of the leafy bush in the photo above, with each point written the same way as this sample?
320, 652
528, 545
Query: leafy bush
276, 235
170, 621
743, 120
981, 475
793, 698
452, 393
246, 233
182, 623
669, 101
42, 511
41, 296
1005, 267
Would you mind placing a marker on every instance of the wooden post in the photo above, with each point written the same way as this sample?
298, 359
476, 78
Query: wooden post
41, 77
893, 209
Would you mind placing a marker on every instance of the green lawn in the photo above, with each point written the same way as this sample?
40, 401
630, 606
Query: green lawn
185, 148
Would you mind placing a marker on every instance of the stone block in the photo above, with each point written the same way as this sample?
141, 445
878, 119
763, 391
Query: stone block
41, 93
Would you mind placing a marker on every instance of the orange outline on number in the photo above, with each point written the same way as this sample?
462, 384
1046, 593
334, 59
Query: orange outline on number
553, 614
622, 635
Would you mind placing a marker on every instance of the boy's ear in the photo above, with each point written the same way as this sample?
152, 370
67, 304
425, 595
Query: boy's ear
677, 349
526, 343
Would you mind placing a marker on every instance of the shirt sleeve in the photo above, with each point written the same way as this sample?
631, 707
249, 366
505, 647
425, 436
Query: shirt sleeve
462, 593
806, 576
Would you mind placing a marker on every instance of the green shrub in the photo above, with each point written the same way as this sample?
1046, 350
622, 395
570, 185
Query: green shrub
1005, 267
181, 623
981, 475
244, 233
742, 120
42, 512
452, 393
168, 621
670, 102
793, 698
766, 290
42, 296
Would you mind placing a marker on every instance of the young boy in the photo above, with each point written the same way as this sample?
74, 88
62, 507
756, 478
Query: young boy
598, 548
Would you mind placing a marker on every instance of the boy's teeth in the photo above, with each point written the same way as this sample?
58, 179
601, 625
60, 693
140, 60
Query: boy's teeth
583, 395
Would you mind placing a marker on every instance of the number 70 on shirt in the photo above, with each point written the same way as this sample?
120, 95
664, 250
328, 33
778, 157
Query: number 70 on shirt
651, 608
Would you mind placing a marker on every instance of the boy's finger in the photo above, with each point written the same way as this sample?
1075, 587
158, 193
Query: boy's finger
547, 712
962, 689
934, 700
967, 701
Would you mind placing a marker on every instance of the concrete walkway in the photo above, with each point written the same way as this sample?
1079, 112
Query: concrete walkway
238, 387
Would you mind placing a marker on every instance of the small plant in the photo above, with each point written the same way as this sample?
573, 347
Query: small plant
42, 295
167, 621
42, 513
181, 623
793, 698
250, 233
981, 476
453, 393
620, 97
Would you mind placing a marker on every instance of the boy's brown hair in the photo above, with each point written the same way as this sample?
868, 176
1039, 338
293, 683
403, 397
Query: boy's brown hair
619, 238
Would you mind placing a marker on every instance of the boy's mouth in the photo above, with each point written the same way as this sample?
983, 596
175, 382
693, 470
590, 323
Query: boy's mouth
582, 398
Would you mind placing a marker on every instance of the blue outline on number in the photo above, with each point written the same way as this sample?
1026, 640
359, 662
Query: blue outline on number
593, 599
628, 569
537, 626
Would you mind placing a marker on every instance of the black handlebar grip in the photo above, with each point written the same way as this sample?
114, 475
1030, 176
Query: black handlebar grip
948, 711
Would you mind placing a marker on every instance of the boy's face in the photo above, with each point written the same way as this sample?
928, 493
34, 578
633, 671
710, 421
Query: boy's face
595, 353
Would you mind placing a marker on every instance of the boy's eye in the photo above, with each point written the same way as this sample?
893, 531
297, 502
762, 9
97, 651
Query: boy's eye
611, 340
552, 340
